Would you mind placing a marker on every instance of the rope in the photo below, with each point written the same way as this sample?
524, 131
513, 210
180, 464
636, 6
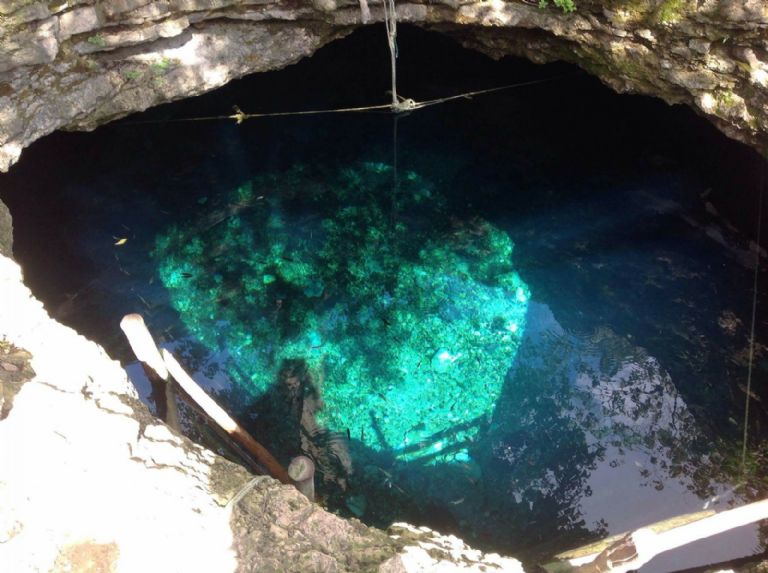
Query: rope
402, 105
399, 104
244, 490
390, 23
395, 180
752, 331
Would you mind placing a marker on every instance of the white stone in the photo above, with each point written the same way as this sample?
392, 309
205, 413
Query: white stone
78, 21
172, 27
325, 5
646, 34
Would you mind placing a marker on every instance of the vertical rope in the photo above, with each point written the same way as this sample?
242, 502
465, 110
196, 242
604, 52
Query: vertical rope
365, 12
396, 180
752, 331
390, 22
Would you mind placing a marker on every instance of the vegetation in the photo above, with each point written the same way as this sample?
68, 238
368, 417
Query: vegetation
565, 5
97, 40
161, 66
670, 11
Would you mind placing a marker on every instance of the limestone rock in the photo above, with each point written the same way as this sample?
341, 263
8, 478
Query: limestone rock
6, 231
33, 43
78, 64
78, 21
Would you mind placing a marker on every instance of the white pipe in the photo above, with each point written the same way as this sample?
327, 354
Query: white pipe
197, 394
302, 471
649, 544
142, 343
710, 526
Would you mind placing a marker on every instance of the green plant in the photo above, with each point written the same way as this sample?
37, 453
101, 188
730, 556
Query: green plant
133, 74
565, 5
725, 98
161, 66
97, 40
670, 11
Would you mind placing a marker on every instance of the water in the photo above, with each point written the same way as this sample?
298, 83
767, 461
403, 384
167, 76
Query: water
533, 332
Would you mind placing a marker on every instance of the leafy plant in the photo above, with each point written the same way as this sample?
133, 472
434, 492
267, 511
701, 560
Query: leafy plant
97, 40
566, 6
161, 66
670, 11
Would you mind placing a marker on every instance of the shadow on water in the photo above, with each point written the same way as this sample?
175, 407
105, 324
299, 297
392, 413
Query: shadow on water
624, 401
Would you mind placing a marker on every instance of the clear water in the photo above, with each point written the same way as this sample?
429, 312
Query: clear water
532, 332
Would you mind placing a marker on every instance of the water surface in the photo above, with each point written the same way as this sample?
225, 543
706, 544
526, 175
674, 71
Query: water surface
523, 318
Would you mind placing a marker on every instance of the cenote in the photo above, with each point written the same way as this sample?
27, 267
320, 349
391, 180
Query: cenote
523, 317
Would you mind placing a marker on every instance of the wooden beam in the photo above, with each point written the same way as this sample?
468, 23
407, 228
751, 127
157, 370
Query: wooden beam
145, 349
165, 366
224, 420
633, 550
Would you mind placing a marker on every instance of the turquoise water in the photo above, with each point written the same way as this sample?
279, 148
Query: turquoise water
522, 318
404, 321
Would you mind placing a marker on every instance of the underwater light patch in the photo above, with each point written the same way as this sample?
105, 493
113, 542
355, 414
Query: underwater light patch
407, 316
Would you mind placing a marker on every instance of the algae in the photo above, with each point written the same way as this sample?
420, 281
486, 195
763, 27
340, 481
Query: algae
407, 315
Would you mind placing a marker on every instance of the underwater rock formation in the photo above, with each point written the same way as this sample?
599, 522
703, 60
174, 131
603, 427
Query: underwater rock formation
76, 65
407, 327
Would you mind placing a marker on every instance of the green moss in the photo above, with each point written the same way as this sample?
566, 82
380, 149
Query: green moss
632, 5
724, 98
57, 5
14, 6
407, 323
671, 11
744, 67
161, 66
629, 68
97, 40
566, 6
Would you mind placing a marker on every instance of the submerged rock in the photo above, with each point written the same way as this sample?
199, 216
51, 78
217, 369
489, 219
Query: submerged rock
454, 289
442, 360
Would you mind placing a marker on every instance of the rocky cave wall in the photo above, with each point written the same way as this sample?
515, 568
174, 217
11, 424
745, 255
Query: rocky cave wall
75, 64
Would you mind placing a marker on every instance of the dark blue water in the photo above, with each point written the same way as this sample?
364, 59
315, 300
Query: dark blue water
618, 401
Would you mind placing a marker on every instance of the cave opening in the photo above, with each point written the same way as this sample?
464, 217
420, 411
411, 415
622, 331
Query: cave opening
530, 310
